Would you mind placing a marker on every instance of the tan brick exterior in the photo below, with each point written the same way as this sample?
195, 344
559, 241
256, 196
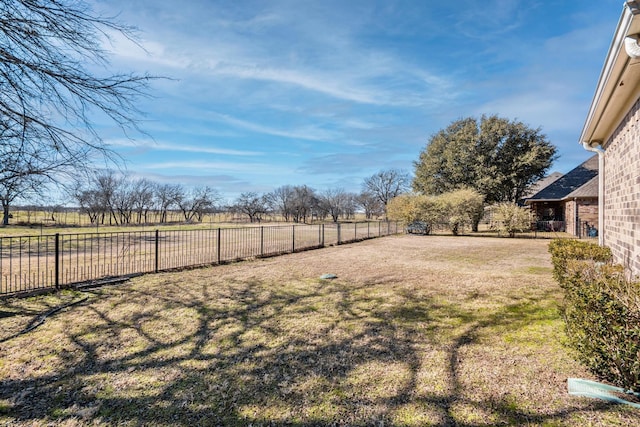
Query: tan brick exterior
587, 211
622, 191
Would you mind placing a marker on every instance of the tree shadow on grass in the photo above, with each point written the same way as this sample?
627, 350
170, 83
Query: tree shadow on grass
249, 352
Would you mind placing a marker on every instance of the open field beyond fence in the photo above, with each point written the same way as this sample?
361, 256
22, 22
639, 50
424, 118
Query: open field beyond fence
31, 263
414, 331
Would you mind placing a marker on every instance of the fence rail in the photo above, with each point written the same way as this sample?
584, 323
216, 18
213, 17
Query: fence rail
32, 263
538, 230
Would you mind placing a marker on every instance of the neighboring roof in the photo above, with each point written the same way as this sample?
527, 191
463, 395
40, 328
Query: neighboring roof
577, 181
590, 189
619, 83
541, 184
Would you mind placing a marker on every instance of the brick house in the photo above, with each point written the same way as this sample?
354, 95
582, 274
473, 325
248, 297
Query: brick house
570, 203
612, 129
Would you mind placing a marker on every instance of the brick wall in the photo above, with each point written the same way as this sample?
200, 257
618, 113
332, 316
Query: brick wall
570, 216
622, 191
587, 211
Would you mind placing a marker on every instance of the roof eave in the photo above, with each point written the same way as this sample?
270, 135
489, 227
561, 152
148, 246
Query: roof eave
618, 83
541, 200
578, 197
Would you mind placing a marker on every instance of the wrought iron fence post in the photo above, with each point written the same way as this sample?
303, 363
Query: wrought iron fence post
57, 261
262, 240
218, 243
293, 238
579, 228
157, 255
338, 224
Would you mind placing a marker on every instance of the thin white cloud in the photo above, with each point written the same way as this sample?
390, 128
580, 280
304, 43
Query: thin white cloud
164, 146
311, 133
491, 18
197, 126
327, 62
328, 85
207, 167
150, 52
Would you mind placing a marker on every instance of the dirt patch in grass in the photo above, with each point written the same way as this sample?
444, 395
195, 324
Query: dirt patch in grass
414, 331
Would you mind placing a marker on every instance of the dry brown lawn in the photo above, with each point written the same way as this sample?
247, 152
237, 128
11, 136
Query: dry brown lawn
414, 331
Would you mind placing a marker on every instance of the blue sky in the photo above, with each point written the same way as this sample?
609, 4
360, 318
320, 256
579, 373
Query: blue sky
326, 93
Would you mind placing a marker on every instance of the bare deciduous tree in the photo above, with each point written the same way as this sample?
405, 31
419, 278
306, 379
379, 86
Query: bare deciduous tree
92, 204
304, 203
99, 197
25, 167
123, 200
387, 184
142, 198
196, 203
350, 206
335, 201
371, 205
281, 201
49, 93
251, 204
166, 196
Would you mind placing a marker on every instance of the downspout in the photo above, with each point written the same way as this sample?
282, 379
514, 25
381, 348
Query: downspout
596, 147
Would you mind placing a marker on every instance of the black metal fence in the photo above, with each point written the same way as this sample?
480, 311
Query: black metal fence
32, 263
549, 226
587, 230
538, 230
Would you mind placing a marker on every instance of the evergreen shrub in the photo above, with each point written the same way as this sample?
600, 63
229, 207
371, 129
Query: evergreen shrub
601, 309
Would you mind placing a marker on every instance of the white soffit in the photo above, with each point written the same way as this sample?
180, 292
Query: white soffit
619, 83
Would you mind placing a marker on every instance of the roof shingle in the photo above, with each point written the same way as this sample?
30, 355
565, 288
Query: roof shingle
579, 182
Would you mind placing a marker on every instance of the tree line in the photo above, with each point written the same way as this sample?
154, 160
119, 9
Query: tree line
117, 199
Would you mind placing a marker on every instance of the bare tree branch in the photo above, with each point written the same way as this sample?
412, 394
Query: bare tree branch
50, 94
